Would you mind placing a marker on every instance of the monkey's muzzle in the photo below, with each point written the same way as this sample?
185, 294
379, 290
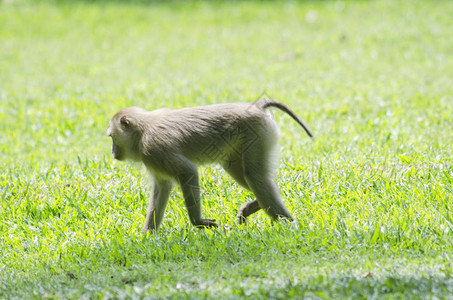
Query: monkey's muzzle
116, 153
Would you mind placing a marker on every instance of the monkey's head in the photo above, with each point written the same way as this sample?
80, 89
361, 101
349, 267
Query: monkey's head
125, 131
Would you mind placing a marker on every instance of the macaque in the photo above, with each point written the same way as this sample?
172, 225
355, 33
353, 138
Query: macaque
241, 137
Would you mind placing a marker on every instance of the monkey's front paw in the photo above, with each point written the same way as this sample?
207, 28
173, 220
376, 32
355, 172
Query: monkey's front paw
206, 223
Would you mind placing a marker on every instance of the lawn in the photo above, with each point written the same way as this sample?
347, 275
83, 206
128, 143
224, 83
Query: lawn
372, 194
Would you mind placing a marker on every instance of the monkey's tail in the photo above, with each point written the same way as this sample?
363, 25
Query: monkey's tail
272, 103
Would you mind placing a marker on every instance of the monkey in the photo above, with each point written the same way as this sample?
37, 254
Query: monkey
172, 143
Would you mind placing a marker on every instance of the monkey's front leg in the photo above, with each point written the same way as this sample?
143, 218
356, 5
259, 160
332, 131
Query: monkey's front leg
157, 204
188, 179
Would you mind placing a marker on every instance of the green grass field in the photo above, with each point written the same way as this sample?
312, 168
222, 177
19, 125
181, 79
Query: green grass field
372, 193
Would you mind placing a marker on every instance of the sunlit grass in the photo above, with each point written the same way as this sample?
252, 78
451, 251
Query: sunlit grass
372, 194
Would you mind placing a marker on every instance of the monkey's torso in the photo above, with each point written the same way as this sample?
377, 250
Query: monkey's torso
206, 134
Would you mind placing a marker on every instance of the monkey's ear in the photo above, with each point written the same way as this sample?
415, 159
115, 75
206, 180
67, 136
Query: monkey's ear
124, 120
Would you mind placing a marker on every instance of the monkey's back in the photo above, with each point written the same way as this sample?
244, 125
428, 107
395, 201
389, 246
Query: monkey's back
209, 133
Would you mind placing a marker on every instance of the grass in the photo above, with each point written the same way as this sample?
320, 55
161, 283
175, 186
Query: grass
372, 194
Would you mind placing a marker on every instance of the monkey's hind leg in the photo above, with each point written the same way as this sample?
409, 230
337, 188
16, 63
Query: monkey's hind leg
258, 172
268, 198
247, 209
235, 168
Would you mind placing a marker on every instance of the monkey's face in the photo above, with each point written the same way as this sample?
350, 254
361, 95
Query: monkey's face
126, 132
116, 149
121, 138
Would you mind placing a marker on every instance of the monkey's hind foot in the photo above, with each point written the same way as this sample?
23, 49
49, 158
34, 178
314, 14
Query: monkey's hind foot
246, 210
203, 223
241, 219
